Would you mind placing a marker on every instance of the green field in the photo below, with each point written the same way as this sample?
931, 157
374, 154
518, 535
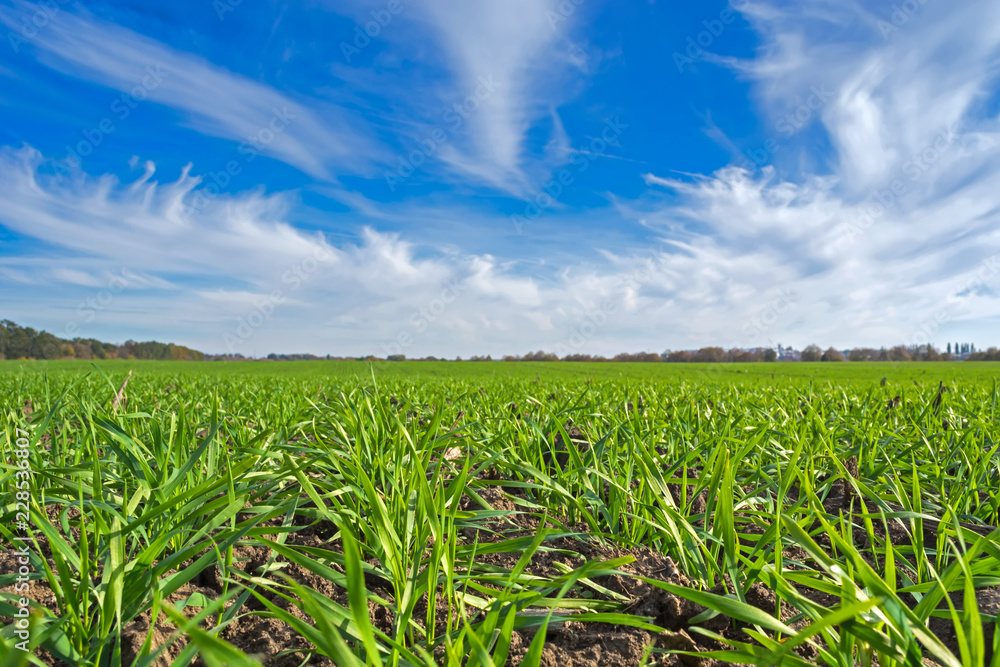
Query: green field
411, 513
971, 372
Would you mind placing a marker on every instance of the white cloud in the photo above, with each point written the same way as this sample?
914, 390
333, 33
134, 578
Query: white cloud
240, 255
238, 301
235, 255
319, 139
75, 277
873, 246
898, 78
515, 44
882, 240
507, 65
740, 261
145, 225
487, 282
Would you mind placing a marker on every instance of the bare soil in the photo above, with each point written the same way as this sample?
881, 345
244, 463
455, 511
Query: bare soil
568, 643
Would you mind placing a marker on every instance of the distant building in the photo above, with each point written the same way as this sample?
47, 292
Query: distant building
788, 354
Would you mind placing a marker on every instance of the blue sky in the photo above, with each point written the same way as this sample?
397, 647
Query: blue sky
455, 178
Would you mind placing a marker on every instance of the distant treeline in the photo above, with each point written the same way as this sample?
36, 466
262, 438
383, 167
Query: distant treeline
763, 354
17, 342
706, 354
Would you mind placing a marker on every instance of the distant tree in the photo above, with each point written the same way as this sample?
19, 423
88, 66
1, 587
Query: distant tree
24, 342
812, 353
710, 355
45, 346
899, 353
18, 341
4, 338
930, 353
638, 356
949, 348
770, 355
832, 354
396, 357
745, 356
539, 356
583, 357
